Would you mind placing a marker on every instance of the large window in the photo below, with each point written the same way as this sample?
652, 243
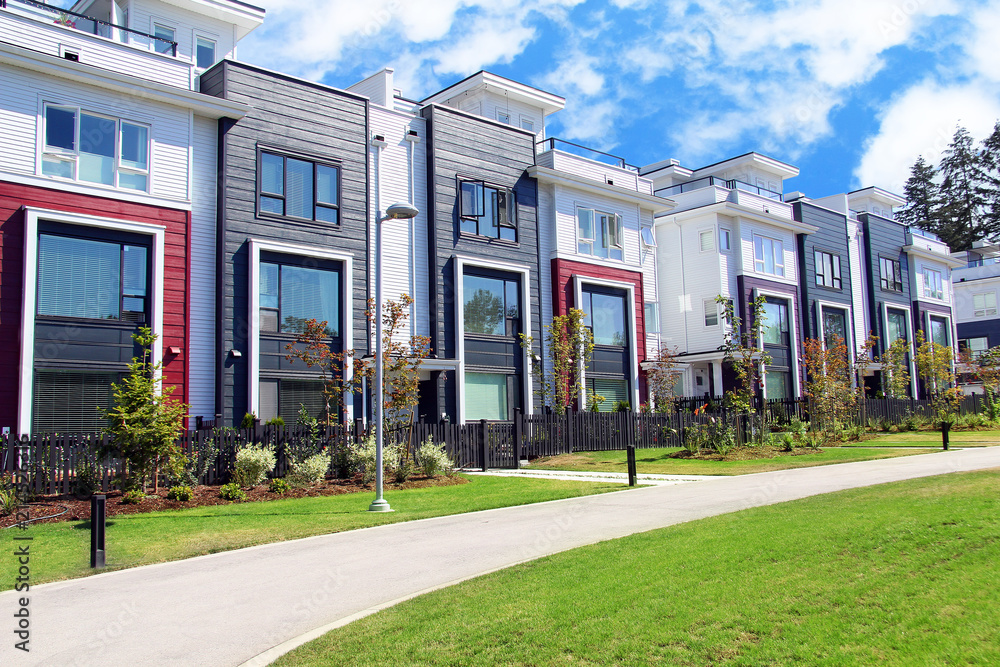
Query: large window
286, 397
933, 284
599, 234
984, 305
891, 274
613, 391
834, 327
486, 210
69, 401
299, 188
939, 331
895, 326
827, 269
769, 256
605, 315
776, 338
92, 279
775, 328
486, 396
84, 146
491, 305
290, 295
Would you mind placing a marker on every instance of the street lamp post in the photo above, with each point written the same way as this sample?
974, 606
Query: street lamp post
394, 212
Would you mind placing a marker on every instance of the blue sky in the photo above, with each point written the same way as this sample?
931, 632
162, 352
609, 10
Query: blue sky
849, 91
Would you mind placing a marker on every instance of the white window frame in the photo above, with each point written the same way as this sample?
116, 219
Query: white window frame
460, 262
927, 277
709, 236
986, 309
975, 354
73, 156
503, 116
578, 283
792, 333
527, 123
759, 265
725, 239
885, 306
253, 315
647, 317
32, 217
848, 324
608, 239
208, 37
949, 324
154, 22
712, 308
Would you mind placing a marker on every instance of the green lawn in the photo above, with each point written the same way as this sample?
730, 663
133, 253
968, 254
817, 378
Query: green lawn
63, 549
933, 439
658, 461
899, 574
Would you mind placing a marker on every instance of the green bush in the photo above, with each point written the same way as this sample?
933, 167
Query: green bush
180, 492
360, 457
253, 462
275, 421
310, 471
232, 491
9, 502
433, 459
403, 471
133, 497
86, 481
249, 420
279, 486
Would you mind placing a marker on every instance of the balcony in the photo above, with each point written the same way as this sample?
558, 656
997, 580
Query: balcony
584, 152
592, 164
710, 181
93, 41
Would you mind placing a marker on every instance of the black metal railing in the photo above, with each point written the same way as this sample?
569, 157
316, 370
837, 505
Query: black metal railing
586, 152
92, 25
708, 181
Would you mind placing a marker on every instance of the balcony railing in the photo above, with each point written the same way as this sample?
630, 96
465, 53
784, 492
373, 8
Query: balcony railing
709, 181
585, 152
916, 231
89, 24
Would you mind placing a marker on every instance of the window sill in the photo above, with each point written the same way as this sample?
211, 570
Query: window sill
91, 184
319, 224
91, 321
468, 236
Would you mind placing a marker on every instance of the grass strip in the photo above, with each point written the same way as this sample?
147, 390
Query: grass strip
657, 461
63, 549
898, 574
933, 439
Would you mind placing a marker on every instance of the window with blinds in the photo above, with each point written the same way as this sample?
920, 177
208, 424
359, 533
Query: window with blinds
613, 390
291, 295
486, 396
69, 401
92, 279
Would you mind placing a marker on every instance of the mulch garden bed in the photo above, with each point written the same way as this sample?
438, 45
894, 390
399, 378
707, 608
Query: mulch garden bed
744, 453
78, 509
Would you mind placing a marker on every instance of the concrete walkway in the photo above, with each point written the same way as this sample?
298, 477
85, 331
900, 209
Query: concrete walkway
584, 476
235, 607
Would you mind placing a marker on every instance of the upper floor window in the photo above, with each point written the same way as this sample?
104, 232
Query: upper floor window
975, 346
984, 304
768, 255
204, 52
298, 188
503, 117
706, 240
725, 239
291, 295
711, 313
486, 210
933, 284
827, 269
527, 124
492, 305
599, 234
84, 146
164, 35
651, 319
891, 273
92, 279
775, 330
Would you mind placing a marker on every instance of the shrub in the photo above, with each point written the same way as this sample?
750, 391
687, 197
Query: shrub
232, 491
253, 462
86, 481
249, 420
196, 465
787, 442
9, 502
308, 472
853, 433
813, 439
133, 497
360, 457
275, 421
433, 459
279, 486
622, 406
403, 471
180, 492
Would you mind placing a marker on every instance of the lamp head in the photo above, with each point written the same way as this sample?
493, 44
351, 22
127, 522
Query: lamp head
401, 211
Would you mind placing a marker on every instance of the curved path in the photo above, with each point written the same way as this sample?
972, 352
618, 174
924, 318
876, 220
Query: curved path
251, 605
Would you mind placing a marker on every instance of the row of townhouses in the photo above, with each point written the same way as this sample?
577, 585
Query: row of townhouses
148, 177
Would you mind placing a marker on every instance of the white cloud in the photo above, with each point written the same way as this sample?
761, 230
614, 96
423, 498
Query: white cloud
982, 45
921, 121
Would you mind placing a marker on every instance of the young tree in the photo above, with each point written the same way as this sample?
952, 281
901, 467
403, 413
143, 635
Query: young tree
400, 366
830, 387
571, 347
144, 422
312, 347
662, 375
740, 349
934, 365
896, 369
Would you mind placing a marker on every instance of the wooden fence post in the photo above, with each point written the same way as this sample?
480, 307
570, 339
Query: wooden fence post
518, 435
484, 445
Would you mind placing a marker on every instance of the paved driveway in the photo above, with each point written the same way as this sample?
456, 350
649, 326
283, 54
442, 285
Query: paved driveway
234, 607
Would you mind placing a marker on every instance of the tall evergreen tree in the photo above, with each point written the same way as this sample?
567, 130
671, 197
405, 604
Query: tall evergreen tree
988, 178
963, 203
923, 198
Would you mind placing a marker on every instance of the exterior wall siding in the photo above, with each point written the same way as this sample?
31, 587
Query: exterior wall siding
306, 118
831, 236
884, 238
202, 323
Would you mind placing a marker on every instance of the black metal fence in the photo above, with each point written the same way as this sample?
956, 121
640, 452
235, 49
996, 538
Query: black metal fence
50, 462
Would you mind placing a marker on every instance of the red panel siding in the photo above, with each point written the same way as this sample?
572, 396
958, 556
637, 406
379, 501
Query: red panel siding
563, 271
175, 293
